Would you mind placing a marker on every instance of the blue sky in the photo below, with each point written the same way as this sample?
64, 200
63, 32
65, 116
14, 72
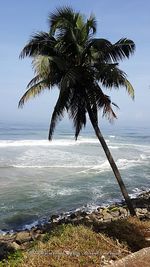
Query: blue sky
115, 19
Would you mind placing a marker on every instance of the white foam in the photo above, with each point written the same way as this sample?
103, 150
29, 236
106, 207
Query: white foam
30, 226
88, 163
144, 157
114, 147
66, 192
60, 142
140, 146
55, 191
54, 142
137, 191
122, 163
112, 136
3, 232
52, 166
127, 163
33, 143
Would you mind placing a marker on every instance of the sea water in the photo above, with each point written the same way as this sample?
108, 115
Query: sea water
39, 178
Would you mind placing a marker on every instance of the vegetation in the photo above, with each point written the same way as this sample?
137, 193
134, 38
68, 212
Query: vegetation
80, 65
13, 260
70, 245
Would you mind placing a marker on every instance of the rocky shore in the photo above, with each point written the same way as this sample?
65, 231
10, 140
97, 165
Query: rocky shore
101, 217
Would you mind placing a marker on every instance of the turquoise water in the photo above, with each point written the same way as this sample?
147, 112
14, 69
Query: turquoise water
39, 178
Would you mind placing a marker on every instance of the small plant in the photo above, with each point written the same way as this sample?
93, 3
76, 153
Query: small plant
13, 259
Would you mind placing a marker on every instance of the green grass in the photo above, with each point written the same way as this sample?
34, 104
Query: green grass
13, 259
129, 231
71, 246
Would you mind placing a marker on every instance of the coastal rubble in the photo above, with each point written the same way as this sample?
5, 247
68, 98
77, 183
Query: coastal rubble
101, 216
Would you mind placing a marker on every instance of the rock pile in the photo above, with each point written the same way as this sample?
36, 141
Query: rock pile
103, 215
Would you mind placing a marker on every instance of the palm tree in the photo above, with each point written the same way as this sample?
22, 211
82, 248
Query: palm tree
80, 65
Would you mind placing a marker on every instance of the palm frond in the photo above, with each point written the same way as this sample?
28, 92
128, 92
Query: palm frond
40, 43
129, 88
60, 107
63, 17
109, 113
102, 101
71, 78
91, 24
110, 75
33, 91
79, 119
100, 45
115, 105
113, 52
41, 65
77, 111
122, 49
35, 80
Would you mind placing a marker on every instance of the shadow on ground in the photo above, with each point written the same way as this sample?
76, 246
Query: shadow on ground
130, 231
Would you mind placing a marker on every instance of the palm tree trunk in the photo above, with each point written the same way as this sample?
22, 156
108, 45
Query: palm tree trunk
112, 162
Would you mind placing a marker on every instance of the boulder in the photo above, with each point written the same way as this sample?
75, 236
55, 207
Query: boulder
123, 212
14, 246
139, 258
73, 216
54, 218
100, 209
23, 237
107, 217
115, 214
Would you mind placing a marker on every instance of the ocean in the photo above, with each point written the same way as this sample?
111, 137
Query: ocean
39, 178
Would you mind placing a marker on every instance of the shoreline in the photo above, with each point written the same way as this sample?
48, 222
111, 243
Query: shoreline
100, 219
140, 200
117, 210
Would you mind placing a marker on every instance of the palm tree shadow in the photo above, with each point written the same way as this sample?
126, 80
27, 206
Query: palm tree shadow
125, 231
5, 250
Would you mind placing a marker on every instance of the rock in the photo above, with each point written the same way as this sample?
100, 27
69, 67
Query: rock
73, 216
54, 218
77, 216
93, 218
142, 202
81, 213
113, 208
77, 220
123, 212
87, 217
14, 246
55, 221
37, 231
107, 217
100, 209
64, 220
115, 214
23, 237
39, 237
87, 220
139, 258
141, 211
47, 227
147, 216
147, 233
